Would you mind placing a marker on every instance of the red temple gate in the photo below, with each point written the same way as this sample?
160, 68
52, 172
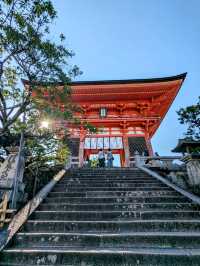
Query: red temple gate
126, 114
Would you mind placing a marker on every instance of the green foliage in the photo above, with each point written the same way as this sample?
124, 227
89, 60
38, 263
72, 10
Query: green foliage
190, 116
26, 52
62, 154
42, 145
90, 127
46, 150
29, 58
94, 163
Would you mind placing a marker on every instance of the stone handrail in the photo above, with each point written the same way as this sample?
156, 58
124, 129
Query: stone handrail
156, 161
20, 218
74, 161
185, 175
18, 178
185, 193
11, 176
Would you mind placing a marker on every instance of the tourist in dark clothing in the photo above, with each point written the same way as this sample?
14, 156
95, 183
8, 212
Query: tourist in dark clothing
110, 158
87, 162
101, 158
146, 153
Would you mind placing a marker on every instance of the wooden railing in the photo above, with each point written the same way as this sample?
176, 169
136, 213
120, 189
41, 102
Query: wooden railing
5, 212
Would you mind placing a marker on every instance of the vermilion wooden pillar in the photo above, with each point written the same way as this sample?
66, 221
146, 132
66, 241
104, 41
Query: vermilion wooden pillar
81, 147
126, 149
149, 146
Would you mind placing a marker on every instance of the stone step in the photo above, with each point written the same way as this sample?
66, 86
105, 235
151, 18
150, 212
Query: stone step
138, 193
108, 240
117, 206
91, 183
113, 176
100, 172
116, 215
113, 199
109, 184
107, 171
176, 225
101, 257
110, 177
111, 189
108, 181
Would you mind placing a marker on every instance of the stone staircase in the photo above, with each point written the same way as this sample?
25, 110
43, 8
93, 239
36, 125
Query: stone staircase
98, 217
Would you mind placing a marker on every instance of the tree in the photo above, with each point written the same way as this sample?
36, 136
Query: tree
46, 150
26, 52
190, 116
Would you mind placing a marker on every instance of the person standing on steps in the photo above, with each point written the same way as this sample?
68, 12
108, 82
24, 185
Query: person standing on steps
110, 158
101, 158
146, 154
87, 162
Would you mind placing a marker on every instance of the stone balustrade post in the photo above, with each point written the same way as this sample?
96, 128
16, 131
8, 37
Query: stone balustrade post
138, 161
193, 169
68, 163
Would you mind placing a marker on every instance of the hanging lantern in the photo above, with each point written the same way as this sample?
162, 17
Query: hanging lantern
103, 112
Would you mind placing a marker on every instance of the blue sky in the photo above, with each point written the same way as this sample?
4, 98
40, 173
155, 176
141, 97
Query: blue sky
115, 39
